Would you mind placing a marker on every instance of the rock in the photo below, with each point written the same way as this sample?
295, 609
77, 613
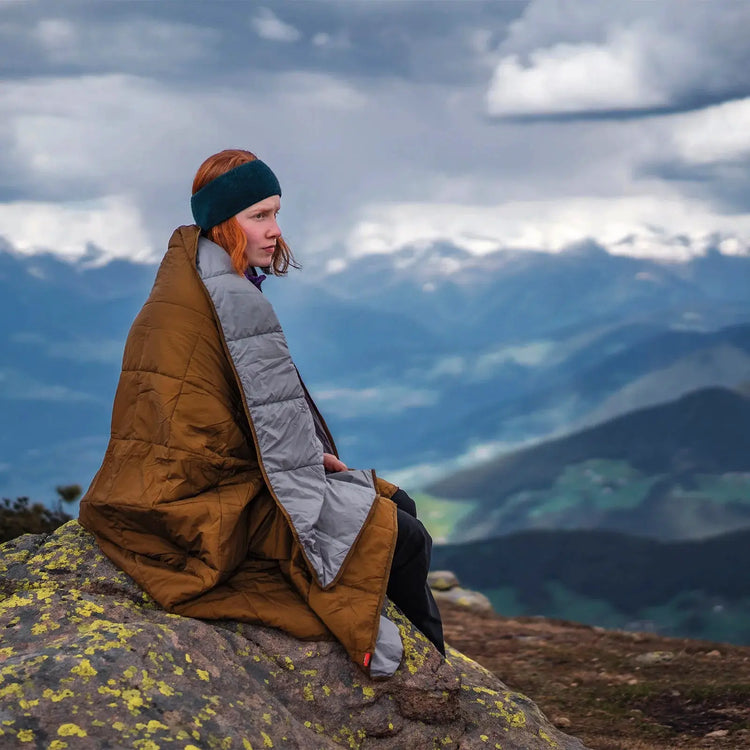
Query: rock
464, 598
87, 660
446, 588
442, 580
715, 654
654, 657
717, 733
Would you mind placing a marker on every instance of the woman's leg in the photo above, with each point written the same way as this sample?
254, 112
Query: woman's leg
407, 585
404, 502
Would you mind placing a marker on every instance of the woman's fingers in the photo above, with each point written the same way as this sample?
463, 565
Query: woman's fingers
331, 463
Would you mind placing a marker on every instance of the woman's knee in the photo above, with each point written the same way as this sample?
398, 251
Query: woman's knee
413, 543
404, 502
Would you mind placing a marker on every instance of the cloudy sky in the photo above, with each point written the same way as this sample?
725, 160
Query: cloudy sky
491, 124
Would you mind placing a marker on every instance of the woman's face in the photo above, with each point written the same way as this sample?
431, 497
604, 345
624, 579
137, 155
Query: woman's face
258, 222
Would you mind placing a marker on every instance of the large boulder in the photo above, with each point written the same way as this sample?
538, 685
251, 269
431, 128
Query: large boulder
447, 588
87, 660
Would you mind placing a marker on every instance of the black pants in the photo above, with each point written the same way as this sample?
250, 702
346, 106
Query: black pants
407, 585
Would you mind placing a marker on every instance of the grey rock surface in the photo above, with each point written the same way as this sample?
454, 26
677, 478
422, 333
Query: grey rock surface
87, 660
442, 580
473, 600
447, 588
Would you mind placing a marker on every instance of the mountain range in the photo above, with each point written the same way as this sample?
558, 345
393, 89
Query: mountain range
692, 588
679, 470
422, 362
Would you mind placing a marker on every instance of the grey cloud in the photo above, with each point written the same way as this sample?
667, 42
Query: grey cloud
138, 44
727, 185
707, 154
102, 351
571, 58
38, 471
419, 41
268, 25
71, 38
384, 399
387, 107
18, 386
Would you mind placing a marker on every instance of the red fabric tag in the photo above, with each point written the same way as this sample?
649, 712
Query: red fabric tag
366, 660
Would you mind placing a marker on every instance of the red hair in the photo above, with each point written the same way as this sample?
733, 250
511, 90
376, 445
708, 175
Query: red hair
229, 234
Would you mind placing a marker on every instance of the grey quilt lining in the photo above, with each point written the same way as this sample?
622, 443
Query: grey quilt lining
327, 510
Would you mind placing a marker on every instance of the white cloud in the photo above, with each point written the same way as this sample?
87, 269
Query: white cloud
55, 34
381, 161
114, 136
70, 138
532, 354
566, 57
135, 144
386, 399
140, 43
269, 26
103, 128
450, 367
715, 134
112, 224
483, 365
641, 226
310, 91
338, 41
105, 160
418, 476
102, 351
18, 386
575, 78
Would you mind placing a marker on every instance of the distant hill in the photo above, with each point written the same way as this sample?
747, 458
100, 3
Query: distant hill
691, 588
667, 366
609, 373
677, 470
514, 296
417, 360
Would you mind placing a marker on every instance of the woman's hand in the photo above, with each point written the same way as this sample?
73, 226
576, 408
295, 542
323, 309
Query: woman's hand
332, 463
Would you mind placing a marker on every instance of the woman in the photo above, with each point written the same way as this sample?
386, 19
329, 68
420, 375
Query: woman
220, 492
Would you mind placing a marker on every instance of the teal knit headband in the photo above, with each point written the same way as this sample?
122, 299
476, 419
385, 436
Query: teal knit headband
233, 192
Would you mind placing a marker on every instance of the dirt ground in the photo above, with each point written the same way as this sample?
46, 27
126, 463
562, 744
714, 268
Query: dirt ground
613, 689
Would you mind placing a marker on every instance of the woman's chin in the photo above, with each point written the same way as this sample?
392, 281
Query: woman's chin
262, 260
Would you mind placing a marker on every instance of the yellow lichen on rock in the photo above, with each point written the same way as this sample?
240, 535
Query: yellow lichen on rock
57, 695
119, 671
71, 730
548, 739
515, 718
84, 670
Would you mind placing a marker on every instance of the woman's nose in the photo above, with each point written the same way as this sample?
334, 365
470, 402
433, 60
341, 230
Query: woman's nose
274, 230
